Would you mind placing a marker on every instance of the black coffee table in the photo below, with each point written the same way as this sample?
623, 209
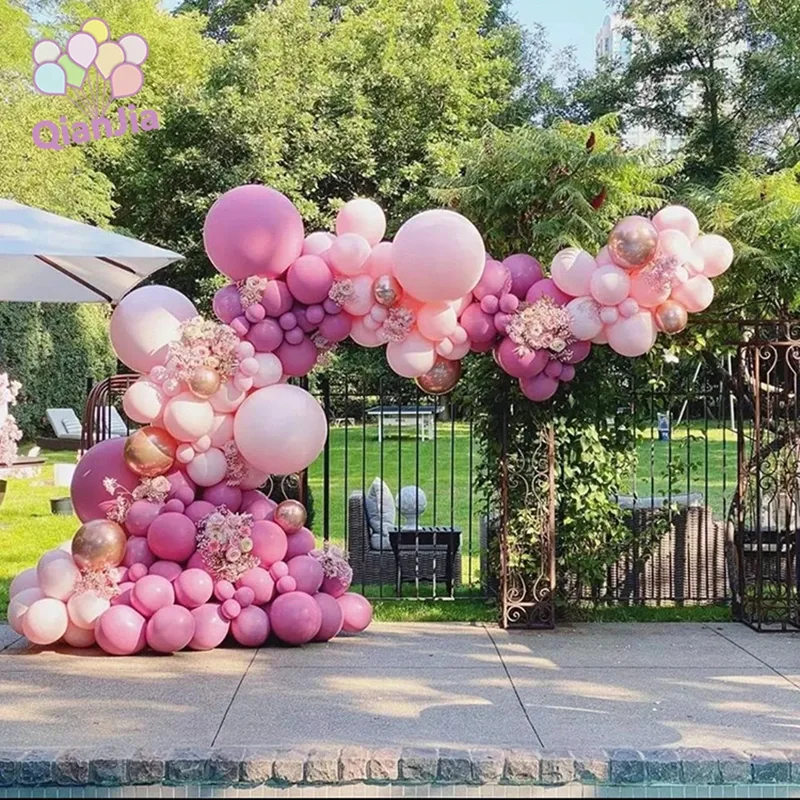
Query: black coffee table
429, 540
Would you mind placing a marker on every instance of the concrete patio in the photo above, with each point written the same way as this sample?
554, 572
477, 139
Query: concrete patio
421, 685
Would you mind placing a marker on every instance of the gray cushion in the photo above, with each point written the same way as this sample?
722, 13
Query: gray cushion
381, 513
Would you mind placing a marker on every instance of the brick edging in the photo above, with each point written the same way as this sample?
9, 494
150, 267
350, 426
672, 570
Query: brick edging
232, 766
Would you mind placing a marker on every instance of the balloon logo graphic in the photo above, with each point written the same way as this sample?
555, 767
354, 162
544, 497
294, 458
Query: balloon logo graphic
50, 79
82, 49
109, 55
126, 79
75, 73
135, 48
97, 29
45, 51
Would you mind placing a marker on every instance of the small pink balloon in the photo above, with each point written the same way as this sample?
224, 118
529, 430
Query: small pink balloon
628, 307
126, 80
363, 335
124, 596
82, 49
143, 401
85, 608
363, 217
412, 357
255, 313
227, 303
136, 572
315, 244
199, 509
547, 288
244, 596
696, 294
336, 328
299, 544
187, 417
610, 285
675, 243
230, 609
171, 536
647, 291
181, 486
438, 320
677, 218
266, 335
170, 629
578, 352
361, 300
79, 637
349, 253
18, 607
307, 572
335, 586
175, 506
121, 631
224, 590
210, 629
151, 593
140, 515
259, 580
309, 279
297, 360
380, 260
585, 321
280, 569
295, 617
251, 627
270, 371
332, 617
357, 612
286, 584
539, 388
193, 588
24, 580
524, 271
553, 369
495, 280
632, 336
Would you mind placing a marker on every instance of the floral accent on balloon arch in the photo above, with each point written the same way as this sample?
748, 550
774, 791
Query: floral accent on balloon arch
187, 551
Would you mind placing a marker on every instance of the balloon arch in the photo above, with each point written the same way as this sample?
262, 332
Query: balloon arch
178, 547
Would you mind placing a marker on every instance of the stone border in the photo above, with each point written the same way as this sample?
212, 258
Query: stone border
248, 767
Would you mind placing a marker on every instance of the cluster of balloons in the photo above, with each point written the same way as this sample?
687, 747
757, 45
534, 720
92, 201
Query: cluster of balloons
118, 63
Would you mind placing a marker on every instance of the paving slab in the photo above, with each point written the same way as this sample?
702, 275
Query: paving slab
7, 637
780, 650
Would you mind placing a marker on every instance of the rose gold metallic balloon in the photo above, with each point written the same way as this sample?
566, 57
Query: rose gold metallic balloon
150, 452
671, 317
386, 290
441, 377
633, 242
98, 543
204, 382
290, 515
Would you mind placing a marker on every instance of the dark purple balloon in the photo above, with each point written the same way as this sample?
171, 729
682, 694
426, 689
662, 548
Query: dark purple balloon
227, 304
331, 307
266, 335
297, 359
478, 324
336, 328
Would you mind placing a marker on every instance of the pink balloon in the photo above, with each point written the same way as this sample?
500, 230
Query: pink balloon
199, 509
585, 317
380, 260
170, 570
140, 516
269, 542
335, 587
349, 253
610, 285
695, 295
124, 596
260, 581
270, 371
363, 217
546, 288
280, 569
210, 629
539, 388
187, 417
251, 627
143, 401
85, 608
519, 366
23, 580
221, 430
309, 279
145, 322
647, 291
438, 255
78, 637
170, 629
193, 587
253, 479
45, 621
266, 335
82, 49
227, 303
18, 607
227, 399
121, 631
286, 584
716, 253
258, 504
495, 280
299, 544
579, 351
632, 336
525, 271
102, 461
361, 300
137, 551
307, 572
438, 320
280, 429
332, 617
220, 494
151, 593
208, 468
58, 578
412, 357
297, 360
357, 612
478, 324
677, 218
572, 270
675, 243
181, 486
295, 617
253, 230
171, 536
315, 244
336, 328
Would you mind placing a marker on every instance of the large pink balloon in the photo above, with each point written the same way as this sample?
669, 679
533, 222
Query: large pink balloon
380, 260
171, 536
307, 572
437, 320
349, 253
137, 551
210, 627
357, 612
253, 230
19, 605
585, 318
188, 417
260, 581
364, 217
208, 468
547, 288
309, 279
695, 294
58, 578
295, 617
102, 461
193, 587
610, 285
45, 621
478, 324
525, 270
297, 359
539, 388
412, 357
572, 270
647, 291
632, 336
716, 252
519, 366
170, 629
677, 218
143, 401
299, 544
251, 627
220, 494
151, 593
438, 255
332, 617
280, 429
269, 542
120, 631
85, 608
145, 322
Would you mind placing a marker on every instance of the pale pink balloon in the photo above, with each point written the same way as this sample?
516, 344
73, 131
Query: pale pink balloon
628, 307
364, 217
19, 604
357, 612
269, 371
58, 578
280, 429
79, 637
647, 292
227, 398
695, 295
221, 429
412, 357
45, 621
82, 49
85, 608
585, 318
211, 627
349, 253
572, 270
151, 593
380, 260
632, 336
438, 255
253, 479
121, 631
610, 285
208, 468
677, 218
317, 243
170, 629
716, 253
495, 280
459, 351
539, 388
437, 321
253, 230
187, 417
145, 322
143, 401
364, 336
675, 243
360, 302
25, 580
603, 258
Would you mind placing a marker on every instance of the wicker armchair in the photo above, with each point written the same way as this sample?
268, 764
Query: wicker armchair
372, 566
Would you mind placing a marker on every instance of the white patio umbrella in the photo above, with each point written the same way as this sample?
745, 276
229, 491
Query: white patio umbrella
51, 259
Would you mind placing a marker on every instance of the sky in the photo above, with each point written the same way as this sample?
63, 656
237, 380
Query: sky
569, 23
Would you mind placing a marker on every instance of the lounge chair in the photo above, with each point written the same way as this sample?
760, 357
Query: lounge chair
68, 429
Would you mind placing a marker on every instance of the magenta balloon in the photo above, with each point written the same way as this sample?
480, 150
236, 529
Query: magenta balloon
495, 280
307, 572
580, 350
332, 617
300, 544
286, 584
137, 551
336, 327
170, 629
357, 612
309, 279
223, 495
121, 631
335, 587
210, 627
546, 288
182, 487
196, 561
269, 542
519, 366
224, 590
251, 627
295, 617
257, 504
253, 230
199, 509
525, 270
171, 536
277, 298
151, 593
260, 581
104, 460
124, 597
140, 515
266, 335
478, 324
227, 304
297, 359
166, 569
193, 587
539, 388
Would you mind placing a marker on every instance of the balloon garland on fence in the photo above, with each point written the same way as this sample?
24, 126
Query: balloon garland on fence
178, 547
